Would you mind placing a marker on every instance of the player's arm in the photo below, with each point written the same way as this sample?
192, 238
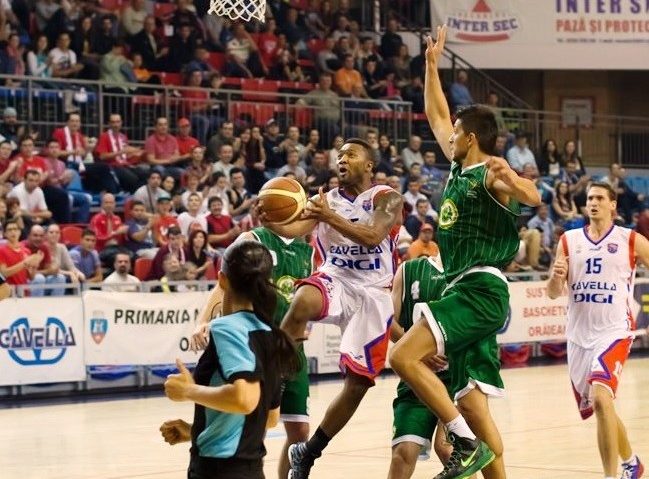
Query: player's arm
559, 274
387, 213
273, 418
435, 105
642, 249
295, 229
505, 183
396, 330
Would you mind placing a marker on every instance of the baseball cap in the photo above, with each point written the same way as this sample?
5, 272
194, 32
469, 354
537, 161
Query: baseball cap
183, 122
162, 199
272, 121
9, 111
426, 227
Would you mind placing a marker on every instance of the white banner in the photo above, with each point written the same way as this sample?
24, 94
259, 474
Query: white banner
140, 328
547, 34
41, 341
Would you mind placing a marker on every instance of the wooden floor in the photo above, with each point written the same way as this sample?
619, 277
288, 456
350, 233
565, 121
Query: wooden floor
543, 434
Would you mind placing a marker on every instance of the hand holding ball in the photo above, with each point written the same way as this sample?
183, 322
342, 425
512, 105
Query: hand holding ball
282, 200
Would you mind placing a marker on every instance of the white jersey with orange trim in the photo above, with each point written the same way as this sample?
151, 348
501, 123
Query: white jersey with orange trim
341, 258
600, 284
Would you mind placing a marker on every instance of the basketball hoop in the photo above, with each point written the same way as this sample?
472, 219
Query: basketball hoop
245, 10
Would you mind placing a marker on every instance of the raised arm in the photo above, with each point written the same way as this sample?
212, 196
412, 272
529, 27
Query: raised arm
505, 183
435, 104
387, 213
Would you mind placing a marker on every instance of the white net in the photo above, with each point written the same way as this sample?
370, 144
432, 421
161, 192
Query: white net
245, 10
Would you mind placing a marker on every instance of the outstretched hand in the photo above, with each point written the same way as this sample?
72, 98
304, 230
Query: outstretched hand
434, 48
318, 208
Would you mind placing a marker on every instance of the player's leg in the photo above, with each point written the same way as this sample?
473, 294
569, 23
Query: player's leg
624, 446
307, 305
295, 432
607, 440
404, 460
632, 467
441, 446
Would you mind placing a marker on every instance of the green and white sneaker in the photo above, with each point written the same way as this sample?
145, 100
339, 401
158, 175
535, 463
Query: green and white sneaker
469, 456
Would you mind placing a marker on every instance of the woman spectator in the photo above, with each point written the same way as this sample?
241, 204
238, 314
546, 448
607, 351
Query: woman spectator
338, 142
169, 185
254, 156
401, 67
60, 256
14, 52
196, 251
82, 44
313, 20
565, 210
286, 68
549, 161
196, 105
199, 166
15, 214
387, 155
570, 153
374, 84
38, 62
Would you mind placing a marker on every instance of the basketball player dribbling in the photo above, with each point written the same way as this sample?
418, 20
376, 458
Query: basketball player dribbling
598, 263
478, 237
357, 227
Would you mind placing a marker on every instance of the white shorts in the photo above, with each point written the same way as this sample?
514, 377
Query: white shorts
601, 364
364, 314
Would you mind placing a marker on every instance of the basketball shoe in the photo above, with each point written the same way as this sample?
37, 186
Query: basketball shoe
300, 460
468, 457
633, 470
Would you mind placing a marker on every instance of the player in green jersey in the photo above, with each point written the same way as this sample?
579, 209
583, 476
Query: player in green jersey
292, 260
477, 237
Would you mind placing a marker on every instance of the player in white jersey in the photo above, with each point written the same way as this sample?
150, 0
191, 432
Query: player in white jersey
357, 227
598, 264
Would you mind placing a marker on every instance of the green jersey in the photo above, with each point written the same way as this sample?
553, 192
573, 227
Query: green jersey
474, 228
291, 262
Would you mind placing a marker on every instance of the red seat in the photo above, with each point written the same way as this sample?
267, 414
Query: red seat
71, 235
112, 5
217, 60
259, 85
171, 78
164, 11
210, 272
315, 45
142, 268
303, 117
260, 113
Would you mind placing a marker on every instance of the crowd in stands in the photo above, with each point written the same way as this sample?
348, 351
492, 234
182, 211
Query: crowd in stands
187, 194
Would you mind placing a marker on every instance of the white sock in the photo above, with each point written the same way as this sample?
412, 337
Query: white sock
459, 427
632, 460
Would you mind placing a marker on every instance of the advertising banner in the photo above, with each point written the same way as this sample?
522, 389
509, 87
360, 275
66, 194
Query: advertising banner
140, 328
41, 341
547, 34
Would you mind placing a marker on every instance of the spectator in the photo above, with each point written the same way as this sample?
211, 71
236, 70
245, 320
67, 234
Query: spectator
459, 92
292, 141
10, 129
163, 221
326, 108
196, 252
63, 59
493, 102
267, 42
174, 247
133, 16
400, 65
82, 45
628, 201
115, 70
191, 188
161, 149
243, 55
224, 163
181, 49
149, 45
275, 156
8, 166
185, 14
224, 136
222, 231
59, 253
414, 92
424, 244
198, 106
38, 61
565, 210
86, 259
27, 160
412, 153
254, 157
104, 39
570, 153
380, 178
150, 193
577, 183
542, 222
31, 198
113, 149
120, 281
13, 213
186, 142
520, 155
313, 21
545, 191
310, 149
193, 216
108, 228
347, 77
286, 68
220, 187
173, 189
44, 11
46, 272
366, 51
17, 264
433, 179
291, 166
173, 271
295, 33
373, 82
332, 154
549, 161
419, 217
139, 235
391, 41
317, 174
327, 60
501, 145
240, 199
198, 166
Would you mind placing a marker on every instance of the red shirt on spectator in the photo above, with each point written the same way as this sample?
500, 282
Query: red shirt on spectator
110, 143
69, 141
162, 147
47, 257
194, 100
267, 43
186, 144
9, 257
161, 226
37, 163
103, 228
218, 226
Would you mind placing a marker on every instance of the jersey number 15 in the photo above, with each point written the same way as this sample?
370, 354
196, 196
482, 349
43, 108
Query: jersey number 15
593, 265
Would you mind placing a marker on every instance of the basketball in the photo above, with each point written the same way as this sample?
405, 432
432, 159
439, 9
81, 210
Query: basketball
283, 200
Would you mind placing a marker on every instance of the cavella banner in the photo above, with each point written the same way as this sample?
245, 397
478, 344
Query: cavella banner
140, 328
547, 34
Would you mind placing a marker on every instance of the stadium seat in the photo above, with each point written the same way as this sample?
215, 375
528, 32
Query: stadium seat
164, 11
210, 272
71, 235
250, 85
112, 5
142, 268
303, 117
217, 60
175, 79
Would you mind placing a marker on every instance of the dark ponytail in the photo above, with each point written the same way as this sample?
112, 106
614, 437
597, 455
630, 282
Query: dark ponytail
249, 266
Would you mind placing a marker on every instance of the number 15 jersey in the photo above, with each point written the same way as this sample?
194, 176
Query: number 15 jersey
600, 284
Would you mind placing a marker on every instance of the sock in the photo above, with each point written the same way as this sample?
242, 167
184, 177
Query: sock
459, 427
632, 460
317, 443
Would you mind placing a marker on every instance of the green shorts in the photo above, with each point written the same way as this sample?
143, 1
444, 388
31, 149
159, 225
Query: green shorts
412, 420
464, 323
295, 395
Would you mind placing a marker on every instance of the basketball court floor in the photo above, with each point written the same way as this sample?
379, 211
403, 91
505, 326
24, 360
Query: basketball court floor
543, 434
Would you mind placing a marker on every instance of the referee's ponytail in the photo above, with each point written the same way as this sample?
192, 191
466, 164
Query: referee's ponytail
248, 266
